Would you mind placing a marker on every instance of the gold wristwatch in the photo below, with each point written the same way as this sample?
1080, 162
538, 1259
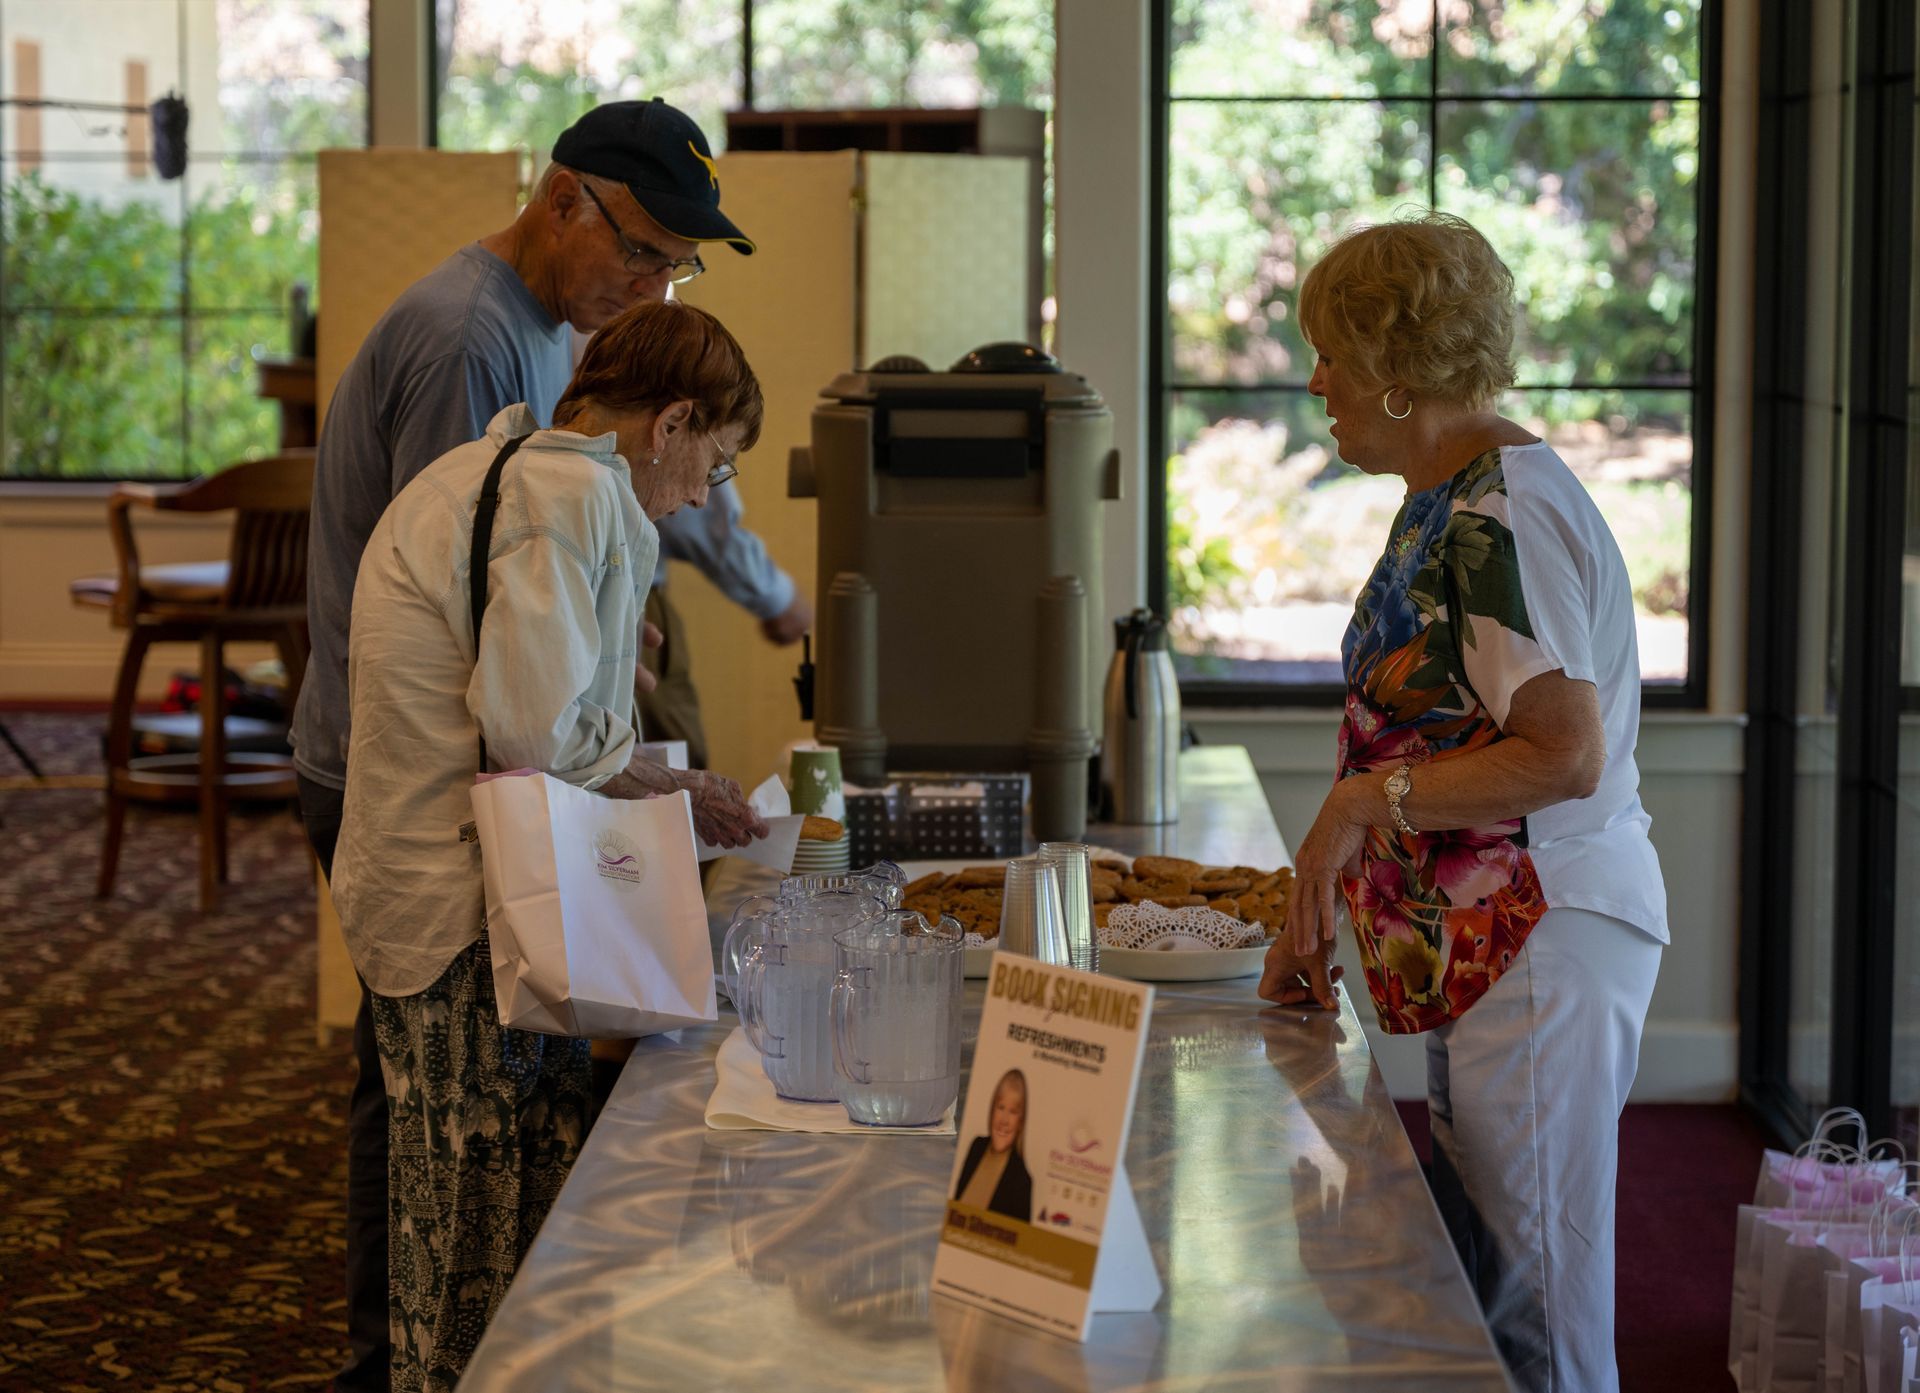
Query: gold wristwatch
1399, 784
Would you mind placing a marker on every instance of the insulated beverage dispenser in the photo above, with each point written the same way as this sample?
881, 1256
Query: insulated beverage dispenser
960, 579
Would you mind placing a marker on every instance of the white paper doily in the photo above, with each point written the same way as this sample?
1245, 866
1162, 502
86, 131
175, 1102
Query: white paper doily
1155, 928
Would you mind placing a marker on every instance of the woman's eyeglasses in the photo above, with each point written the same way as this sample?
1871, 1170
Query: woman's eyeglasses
722, 471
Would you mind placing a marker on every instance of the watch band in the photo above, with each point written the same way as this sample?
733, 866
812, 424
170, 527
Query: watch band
1399, 784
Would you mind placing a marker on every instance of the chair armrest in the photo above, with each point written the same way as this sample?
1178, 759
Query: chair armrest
126, 598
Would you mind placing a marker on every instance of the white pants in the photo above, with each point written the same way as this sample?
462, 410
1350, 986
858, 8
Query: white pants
1525, 1092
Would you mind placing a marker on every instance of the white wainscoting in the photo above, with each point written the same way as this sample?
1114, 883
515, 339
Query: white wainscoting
1690, 772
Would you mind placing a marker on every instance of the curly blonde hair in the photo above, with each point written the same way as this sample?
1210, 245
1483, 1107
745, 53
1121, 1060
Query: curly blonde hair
1422, 303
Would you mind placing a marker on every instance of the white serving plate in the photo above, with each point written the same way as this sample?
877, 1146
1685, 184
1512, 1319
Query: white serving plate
1184, 964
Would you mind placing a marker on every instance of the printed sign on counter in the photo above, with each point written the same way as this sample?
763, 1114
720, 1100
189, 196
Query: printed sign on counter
1040, 1221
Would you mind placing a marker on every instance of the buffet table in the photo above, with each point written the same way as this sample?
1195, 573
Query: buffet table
1287, 1215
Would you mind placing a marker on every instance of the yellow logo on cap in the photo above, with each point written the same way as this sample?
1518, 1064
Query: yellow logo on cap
713, 169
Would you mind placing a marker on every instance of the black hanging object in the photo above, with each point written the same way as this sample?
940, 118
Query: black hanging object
803, 684
169, 118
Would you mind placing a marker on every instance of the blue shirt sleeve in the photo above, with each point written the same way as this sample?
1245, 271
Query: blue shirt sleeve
726, 553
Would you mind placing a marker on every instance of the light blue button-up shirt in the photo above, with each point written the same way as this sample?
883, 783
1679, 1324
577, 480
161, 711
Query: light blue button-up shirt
551, 687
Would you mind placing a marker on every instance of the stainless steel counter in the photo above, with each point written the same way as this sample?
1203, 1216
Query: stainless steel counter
1291, 1225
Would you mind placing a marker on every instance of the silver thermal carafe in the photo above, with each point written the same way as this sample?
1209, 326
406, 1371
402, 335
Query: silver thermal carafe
1142, 723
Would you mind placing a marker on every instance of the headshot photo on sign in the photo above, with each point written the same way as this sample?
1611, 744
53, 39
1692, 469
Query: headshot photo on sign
994, 1175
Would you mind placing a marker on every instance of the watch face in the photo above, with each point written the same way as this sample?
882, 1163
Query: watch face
1398, 784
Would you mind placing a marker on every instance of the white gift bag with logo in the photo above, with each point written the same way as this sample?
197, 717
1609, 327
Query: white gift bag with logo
594, 909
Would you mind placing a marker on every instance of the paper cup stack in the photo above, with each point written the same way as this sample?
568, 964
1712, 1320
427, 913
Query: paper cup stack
816, 788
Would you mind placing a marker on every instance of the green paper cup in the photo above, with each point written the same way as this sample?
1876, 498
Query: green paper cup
816, 784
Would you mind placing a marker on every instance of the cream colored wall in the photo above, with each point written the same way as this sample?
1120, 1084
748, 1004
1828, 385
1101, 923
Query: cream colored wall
52, 651
793, 306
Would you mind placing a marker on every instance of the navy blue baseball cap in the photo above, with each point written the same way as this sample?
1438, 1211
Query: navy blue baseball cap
662, 157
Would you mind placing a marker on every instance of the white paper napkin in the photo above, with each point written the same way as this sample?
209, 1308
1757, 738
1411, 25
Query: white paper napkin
783, 830
744, 1101
672, 753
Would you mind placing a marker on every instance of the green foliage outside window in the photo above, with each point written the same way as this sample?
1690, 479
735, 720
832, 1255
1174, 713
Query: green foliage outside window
104, 355
1592, 204
512, 76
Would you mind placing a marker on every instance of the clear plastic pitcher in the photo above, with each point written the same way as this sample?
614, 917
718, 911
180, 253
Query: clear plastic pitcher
897, 1001
786, 978
883, 880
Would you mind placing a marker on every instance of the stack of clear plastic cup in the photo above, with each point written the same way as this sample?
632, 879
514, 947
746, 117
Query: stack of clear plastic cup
1031, 919
1072, 862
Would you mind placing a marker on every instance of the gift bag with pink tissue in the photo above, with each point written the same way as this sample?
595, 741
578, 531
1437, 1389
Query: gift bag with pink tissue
1855, 1251
1785, 1337
1804, 1178
1790, 1347
1777, 1326
1842, 1366
1887, 1308
1887, 1305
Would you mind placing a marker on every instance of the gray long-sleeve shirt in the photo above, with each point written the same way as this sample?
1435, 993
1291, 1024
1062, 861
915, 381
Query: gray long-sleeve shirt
460, 345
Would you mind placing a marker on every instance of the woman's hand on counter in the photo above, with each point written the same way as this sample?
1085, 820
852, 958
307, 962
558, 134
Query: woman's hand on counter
1296, 979
1332, 846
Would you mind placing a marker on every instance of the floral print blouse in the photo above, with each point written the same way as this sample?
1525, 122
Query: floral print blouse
1439, 915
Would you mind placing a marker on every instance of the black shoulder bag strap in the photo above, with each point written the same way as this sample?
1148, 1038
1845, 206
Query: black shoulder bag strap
483, 543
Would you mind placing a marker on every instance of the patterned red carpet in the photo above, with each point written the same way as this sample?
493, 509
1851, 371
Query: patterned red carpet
172, 1141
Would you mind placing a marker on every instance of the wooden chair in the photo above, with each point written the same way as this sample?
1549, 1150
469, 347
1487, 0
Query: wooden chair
258, 593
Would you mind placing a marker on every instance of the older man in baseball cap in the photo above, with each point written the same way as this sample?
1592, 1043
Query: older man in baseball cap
618, 217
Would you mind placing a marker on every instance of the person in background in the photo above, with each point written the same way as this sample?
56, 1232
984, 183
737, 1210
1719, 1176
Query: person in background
1485, 824
736, 561
616, 219
485, 1121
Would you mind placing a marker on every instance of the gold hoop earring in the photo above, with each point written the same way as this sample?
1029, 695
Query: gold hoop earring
1386, 405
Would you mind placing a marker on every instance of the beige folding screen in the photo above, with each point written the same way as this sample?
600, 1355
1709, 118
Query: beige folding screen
387, 217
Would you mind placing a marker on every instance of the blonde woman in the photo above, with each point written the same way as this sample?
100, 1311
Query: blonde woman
1485, 827
994, 1175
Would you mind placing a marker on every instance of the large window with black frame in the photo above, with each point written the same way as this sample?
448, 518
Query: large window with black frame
1575, 136
1830, 932
134, 307
514, 73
